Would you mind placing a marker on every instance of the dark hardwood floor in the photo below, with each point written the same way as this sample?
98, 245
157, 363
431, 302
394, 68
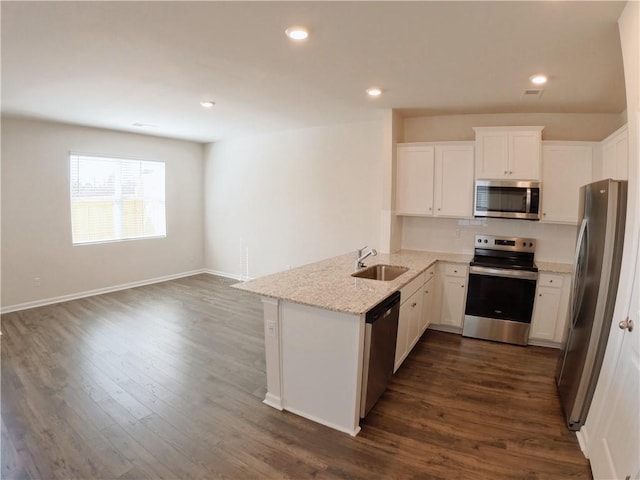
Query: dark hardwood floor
166, 381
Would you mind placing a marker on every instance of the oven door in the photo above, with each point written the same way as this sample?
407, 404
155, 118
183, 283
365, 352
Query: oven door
499, 304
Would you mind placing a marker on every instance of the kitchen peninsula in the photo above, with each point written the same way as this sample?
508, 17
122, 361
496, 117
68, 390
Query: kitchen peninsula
314, 320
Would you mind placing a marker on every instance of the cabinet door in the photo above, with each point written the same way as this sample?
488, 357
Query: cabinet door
402, 340
427, 305
492, 153
565, 168
615, 155
622, 157
453, 293
415, 311
545, 314
524, 156
453, 184
414, 180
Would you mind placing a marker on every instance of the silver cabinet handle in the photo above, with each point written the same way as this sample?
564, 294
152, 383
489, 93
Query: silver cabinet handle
627, 324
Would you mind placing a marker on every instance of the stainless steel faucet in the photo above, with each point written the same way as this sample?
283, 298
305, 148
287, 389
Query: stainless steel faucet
360, 256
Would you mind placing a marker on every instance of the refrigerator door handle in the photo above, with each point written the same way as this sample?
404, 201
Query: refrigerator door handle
578, 270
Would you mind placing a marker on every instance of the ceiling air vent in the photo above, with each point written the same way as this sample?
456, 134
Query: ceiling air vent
531, 93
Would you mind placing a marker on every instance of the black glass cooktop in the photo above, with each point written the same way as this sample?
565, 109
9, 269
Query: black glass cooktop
485, 257
496, 262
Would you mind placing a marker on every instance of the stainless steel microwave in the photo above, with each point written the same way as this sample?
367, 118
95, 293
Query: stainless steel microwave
507, 199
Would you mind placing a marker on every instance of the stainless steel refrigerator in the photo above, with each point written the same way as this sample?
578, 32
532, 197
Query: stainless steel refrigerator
596, 271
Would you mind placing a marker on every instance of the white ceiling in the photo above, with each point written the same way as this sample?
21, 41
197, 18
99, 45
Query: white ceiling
113, 64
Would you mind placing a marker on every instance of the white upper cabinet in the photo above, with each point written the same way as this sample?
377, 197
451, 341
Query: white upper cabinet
511, 153
414, 180
435, 179
453, 185
615, 155
566, 166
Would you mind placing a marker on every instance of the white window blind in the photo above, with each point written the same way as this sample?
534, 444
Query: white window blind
116, 199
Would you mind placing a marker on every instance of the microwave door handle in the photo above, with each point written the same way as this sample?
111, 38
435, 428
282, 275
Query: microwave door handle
528, 201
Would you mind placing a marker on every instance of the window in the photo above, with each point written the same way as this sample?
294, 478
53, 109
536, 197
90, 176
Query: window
116, 199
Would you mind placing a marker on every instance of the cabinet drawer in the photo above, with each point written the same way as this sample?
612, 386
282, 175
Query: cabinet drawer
410, 288
550, 280
430, 273
455, 270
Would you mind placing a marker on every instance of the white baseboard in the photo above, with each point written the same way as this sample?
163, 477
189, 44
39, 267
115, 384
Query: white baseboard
583, 440
233, 276
98, 291
273, 401
341, 428
545, 343
445, 328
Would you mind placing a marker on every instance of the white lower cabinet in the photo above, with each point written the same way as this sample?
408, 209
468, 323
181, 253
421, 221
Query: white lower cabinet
550, 310
401, 339
415, 314
409, 320
428, 291
454, 288
437, 299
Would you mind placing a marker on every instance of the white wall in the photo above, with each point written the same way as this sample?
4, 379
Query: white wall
36, 225
557, 126
290, 198
391, 225
554, 243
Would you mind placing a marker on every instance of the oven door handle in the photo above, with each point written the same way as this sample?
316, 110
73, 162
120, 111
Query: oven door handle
503, 272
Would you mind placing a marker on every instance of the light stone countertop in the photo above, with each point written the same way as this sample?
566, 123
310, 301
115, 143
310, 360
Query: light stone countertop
328, 284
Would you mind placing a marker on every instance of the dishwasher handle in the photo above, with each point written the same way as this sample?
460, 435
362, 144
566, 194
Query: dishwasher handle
384, 308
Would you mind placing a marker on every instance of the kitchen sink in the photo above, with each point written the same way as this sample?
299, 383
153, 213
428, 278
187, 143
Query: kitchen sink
385, 273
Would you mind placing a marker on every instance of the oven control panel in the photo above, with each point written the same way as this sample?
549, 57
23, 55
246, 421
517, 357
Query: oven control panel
512, 244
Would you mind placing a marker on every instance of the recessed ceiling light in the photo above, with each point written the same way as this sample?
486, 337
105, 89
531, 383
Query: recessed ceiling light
374, 92
297, 33
538, 79
207, 103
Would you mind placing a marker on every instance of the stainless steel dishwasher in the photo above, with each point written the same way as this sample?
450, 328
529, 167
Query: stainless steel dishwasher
380, 334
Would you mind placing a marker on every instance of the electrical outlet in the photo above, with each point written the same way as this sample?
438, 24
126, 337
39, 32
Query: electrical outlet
36, 281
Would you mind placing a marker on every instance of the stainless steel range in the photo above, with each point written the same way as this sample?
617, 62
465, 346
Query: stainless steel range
501, 289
